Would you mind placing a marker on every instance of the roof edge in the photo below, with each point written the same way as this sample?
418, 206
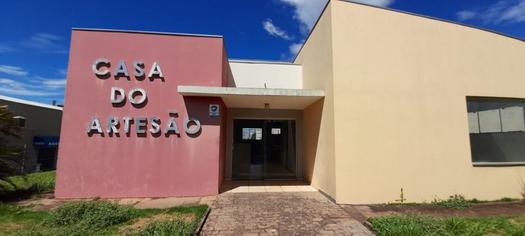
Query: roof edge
311, 31
407, 13
30, 103
146, 32
437, 19
248, 61
190, 90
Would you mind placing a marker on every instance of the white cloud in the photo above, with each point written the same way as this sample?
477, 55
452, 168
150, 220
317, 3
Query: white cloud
306, 11
42, 40
275, 31
62, 72
12, 87
515, 13
13, 70
54, 83
46, 42
380, 3
466, 15
295, 47
35, 86
5, 48
503, 11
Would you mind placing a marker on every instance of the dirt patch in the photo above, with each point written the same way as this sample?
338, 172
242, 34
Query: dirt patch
140, 223
47, 201
11, 227
41, 202
476, 210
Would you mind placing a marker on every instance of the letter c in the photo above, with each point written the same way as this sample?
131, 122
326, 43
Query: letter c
97, 67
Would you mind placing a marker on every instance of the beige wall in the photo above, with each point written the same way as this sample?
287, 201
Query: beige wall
318, 138
399, 96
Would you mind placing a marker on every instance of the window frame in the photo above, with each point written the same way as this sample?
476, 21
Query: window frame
491, 99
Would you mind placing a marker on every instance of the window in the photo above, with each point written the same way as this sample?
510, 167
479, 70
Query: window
497, 130
20, 121
251, 133
276, 131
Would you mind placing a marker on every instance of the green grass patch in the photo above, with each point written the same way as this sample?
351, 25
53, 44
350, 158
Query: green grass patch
166, 228
14, 218
455, 201
99, 218
422, 225
23, 186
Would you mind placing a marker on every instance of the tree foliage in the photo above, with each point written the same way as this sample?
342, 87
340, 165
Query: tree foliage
9, 154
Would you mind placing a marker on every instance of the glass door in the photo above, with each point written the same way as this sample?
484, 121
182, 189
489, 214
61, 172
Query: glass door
263, 149
248, 149
280, 161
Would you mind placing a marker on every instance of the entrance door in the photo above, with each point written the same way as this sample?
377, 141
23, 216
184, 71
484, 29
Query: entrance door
263, 149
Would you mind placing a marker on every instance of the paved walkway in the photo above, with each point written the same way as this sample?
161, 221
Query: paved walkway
279, 213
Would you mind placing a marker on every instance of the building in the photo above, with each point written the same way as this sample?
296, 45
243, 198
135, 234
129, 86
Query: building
40, 130
378, 105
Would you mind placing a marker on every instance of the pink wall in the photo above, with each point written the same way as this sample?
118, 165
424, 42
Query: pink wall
132, 166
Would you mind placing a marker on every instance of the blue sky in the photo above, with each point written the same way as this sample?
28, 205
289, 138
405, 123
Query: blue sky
34, 35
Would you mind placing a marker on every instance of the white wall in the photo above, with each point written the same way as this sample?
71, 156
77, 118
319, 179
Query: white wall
255, 74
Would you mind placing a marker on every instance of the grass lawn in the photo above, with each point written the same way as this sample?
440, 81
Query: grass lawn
99, 218
23, 186
86, 217
424, 225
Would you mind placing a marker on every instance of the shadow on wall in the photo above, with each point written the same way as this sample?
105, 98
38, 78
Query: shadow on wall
229, 76
311, 126
198, 108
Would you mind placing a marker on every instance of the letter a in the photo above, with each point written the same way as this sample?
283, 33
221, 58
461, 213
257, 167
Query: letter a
94, 126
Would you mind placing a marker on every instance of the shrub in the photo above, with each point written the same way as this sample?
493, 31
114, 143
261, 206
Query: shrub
455, 201
96, 218
418, 225
39, 182
167, 228
507, 199
94, 214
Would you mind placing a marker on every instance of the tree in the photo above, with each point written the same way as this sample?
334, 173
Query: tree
9, 154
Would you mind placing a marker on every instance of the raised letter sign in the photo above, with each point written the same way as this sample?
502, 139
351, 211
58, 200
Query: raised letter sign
112, 125
171, 127
94, 126
117, 95
139, 68
127, 123
122, 69
155, 72
131, 96
193, 129
140, 125
98, 64
155, 127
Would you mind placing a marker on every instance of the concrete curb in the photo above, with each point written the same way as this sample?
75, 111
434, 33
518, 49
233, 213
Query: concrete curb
201, 223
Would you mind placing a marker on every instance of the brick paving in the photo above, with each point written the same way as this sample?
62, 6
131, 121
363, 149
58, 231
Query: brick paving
279, 213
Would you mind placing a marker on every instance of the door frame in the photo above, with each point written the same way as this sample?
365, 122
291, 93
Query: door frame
264, 114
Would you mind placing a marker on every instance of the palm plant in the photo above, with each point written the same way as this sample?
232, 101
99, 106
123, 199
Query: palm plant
9, 154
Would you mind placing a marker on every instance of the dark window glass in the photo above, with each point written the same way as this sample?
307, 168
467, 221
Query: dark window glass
47, 158
497, 130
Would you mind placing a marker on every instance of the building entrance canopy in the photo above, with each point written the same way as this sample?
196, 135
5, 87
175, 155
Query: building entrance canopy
296, 99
